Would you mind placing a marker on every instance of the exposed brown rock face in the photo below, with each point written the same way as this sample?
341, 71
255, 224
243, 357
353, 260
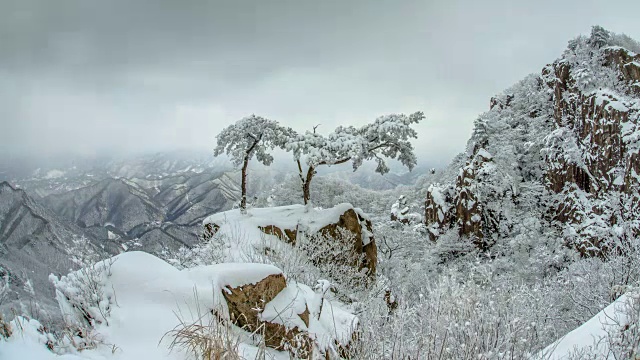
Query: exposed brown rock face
467, 206
363, 241
245, 304
288, 235
437, 211
371, 257
598, 122
458, 206
627, 65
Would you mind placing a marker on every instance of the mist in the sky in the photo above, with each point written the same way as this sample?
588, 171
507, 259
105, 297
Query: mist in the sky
94, 77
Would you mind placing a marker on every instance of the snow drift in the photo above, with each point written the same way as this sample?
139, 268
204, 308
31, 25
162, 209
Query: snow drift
143, 298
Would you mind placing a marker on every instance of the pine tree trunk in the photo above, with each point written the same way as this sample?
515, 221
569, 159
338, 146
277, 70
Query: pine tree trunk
306, 185
243, 201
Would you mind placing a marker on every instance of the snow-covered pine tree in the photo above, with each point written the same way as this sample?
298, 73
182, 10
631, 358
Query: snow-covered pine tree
599, 36
387, 137
249, 137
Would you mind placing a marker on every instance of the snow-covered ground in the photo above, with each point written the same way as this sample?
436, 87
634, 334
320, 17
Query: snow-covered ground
149, 297
593, 336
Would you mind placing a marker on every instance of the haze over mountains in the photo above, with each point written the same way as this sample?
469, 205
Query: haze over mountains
154, 203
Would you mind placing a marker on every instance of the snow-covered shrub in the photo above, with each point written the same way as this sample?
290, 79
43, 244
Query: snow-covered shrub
532, 253
215, 247
624, 41
453, 318
335, 258
528, 291
587, 286
23, 330
81, 294
29, 304
624, 342
207, 252
4, 286
85, 302
450, 246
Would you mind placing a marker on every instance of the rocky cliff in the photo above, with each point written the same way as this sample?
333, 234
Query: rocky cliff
560, 147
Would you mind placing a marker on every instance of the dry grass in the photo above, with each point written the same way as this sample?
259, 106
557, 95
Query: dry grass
5, 328
207, 338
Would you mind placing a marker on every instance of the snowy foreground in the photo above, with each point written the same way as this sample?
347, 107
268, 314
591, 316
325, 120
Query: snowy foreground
140, 298
149, 297
150, 294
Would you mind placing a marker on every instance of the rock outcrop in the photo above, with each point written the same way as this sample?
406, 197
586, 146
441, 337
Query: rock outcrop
340, 224
592, 157
458, 206
401, 212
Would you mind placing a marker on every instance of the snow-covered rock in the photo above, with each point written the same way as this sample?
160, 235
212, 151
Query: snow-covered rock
287, 223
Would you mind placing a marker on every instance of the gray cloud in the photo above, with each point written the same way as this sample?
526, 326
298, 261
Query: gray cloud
87, 76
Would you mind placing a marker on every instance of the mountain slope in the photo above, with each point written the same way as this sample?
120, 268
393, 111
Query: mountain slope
153, 213
111, 201
35, 243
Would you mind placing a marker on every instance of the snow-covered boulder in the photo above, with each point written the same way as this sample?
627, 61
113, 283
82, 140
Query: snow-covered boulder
288, 223
401, 212
253, 287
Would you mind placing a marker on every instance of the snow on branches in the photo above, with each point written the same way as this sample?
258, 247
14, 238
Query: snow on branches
387, 137
253, 135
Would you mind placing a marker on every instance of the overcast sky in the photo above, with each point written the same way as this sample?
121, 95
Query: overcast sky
86, 76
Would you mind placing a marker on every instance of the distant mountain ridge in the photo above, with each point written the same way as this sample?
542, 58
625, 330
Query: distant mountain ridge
34, 242
110, 201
